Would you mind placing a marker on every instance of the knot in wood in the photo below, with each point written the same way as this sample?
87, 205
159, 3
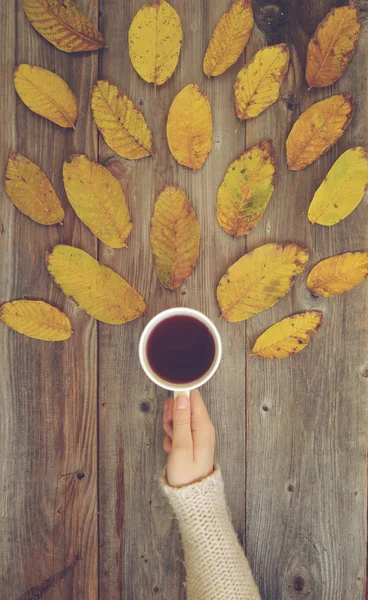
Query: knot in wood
271, 16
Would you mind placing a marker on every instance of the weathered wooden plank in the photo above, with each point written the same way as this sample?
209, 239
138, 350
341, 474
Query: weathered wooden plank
142, 558
47, 391
306, 469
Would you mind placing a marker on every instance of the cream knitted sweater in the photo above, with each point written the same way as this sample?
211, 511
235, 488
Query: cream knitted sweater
216, 566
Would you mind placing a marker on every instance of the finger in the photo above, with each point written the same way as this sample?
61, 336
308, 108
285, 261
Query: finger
182, 433
167, 444
199, 413
169, 410
168, 417
202, 427
168, 428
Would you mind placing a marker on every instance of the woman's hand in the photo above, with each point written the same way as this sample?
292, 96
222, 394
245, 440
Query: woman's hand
189, 440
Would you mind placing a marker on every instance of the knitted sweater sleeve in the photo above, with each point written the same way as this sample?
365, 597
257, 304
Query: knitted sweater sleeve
216, 566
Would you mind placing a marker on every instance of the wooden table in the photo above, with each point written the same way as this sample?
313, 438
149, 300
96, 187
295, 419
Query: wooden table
82, 516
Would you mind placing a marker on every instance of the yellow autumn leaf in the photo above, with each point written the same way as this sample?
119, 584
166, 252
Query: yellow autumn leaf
258, 83
46, 94
342, 189
288, 336
98, 200
62, 24
155, 36
332, 46
189, 127
96, 289
246, 189
36, 319
174, 237
229, 38
338, 274
259, 279
121, 124
31, 192
317, 129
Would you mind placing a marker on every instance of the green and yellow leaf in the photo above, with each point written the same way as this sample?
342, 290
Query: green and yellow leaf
259, 279
288, 336
317, 129
338, 274
46, 94
258, 83
342, 190
246, 189
332, 46
36, 319
98, 200
96, 289
31, 192
121, 124
174, 237
62, 24
189, 127
155, 36
229, 38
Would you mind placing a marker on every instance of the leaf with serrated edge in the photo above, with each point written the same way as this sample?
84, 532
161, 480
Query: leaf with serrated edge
332, 46
96, 289
46, 94
189, 127
246, 189
121, 124
36, 319
155, 36
174, 237
98, 200
342, 189
338, 274
62, 24
259, 279
31, 192
288, 336
258, 83
229, 38
317, 129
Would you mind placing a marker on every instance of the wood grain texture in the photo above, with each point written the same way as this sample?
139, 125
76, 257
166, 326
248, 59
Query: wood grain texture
290, 433
140, 546
48, 393
306, 474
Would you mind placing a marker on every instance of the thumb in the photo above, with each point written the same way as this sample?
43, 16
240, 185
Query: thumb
182, 433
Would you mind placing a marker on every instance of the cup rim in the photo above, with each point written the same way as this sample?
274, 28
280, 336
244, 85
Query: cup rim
176, 387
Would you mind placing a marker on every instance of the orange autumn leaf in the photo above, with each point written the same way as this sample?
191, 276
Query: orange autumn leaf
259, 279
121, 124
62, 24
229, 38
31, 192
96, 289
46, 94
317, 129
332, 46
98, 200
36, 319
258, 83
189, 127
338, 274
174, 237
342, 189
289, 336
246, 189
155, 36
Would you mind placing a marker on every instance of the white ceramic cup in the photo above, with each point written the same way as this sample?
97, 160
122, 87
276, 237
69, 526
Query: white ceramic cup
178, 388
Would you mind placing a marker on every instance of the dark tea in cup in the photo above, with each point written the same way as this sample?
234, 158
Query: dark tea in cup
180, 349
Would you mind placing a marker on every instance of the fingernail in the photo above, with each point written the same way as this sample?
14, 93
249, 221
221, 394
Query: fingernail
182, 401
